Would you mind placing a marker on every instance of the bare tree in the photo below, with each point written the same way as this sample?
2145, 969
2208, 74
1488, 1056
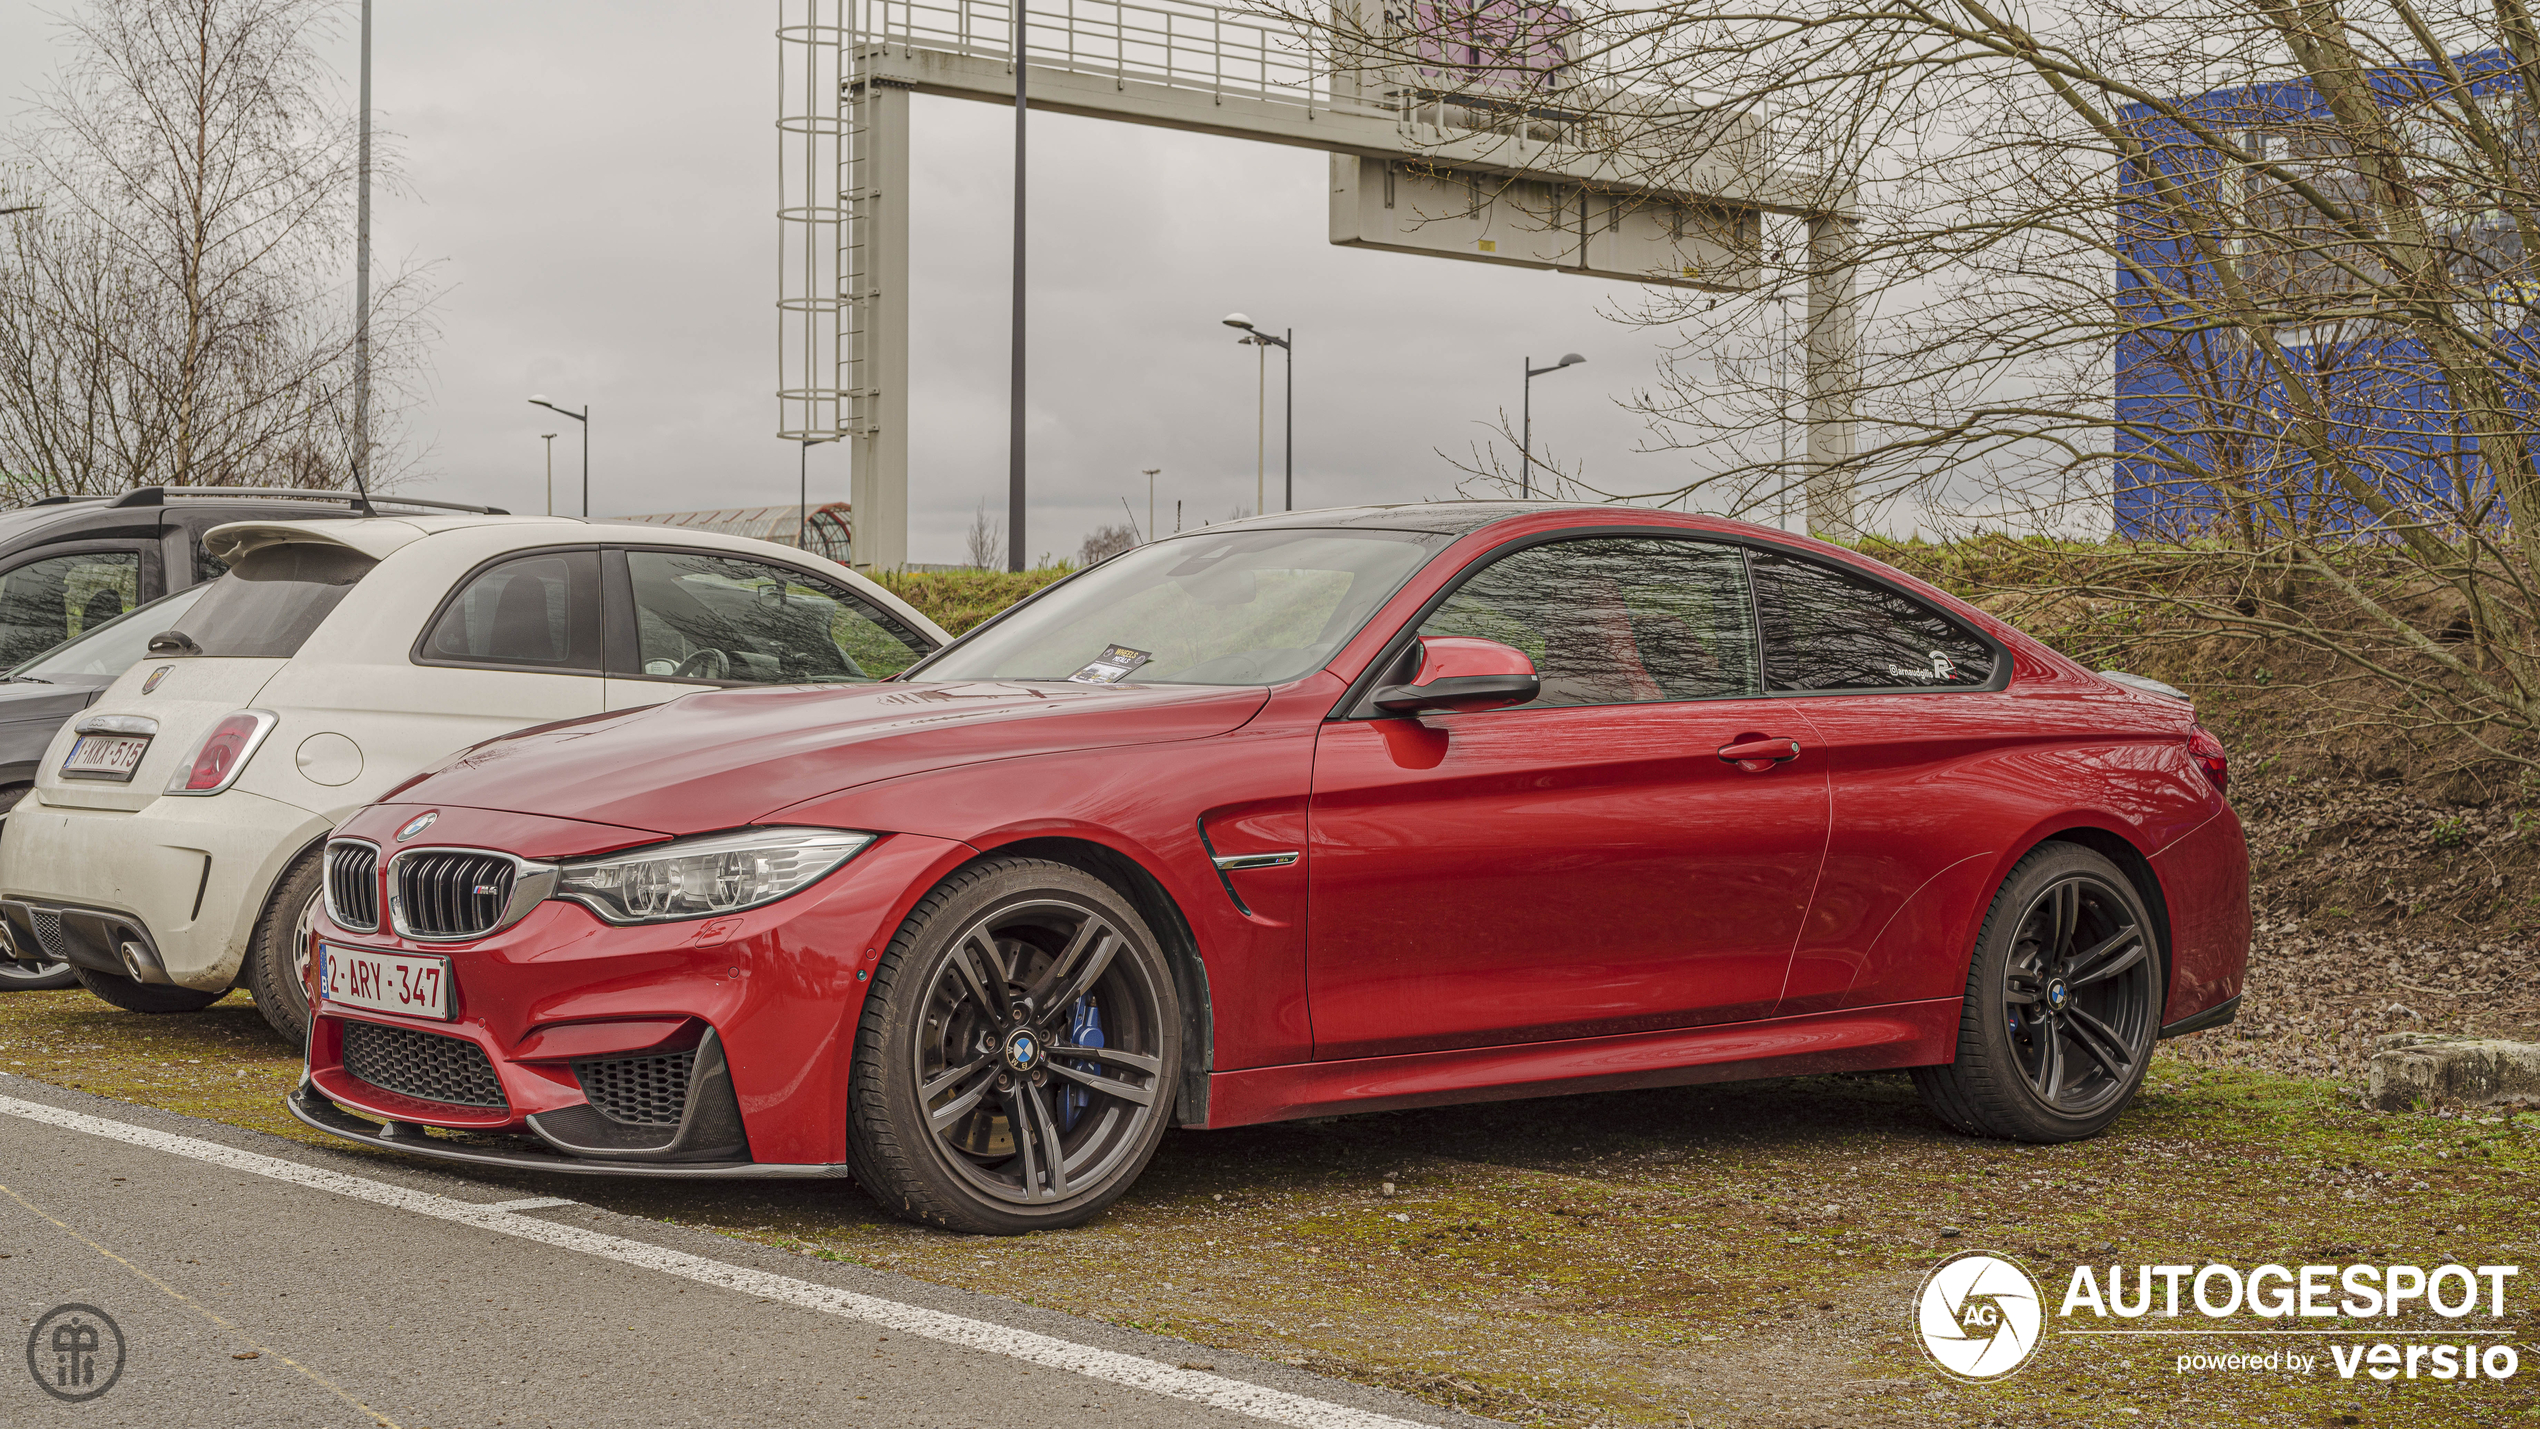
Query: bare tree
1105, 543
2303, 229
176, 316
985, 541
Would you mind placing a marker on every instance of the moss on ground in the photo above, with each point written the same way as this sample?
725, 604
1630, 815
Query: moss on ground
1734, 1255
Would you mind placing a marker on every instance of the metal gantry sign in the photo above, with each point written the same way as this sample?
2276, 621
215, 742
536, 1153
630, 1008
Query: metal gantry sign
1457, 129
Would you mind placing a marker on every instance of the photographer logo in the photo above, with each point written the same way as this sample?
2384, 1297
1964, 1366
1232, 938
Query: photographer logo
1979, 1316
75, 1352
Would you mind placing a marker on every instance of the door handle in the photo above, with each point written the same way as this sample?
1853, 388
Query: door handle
1756, 753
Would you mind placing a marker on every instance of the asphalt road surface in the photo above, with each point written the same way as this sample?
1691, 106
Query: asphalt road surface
260, 1282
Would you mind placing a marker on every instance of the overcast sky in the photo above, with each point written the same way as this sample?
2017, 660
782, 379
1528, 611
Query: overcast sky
597, 185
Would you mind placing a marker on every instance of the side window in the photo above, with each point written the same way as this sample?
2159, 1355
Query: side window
702, 617
538, 612
1826, 629
1616, 620
48, 601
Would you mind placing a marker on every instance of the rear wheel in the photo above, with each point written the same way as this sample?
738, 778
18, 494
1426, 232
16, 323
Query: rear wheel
1018, 1054
134, 996
36, 976
2062, 1006
278, 954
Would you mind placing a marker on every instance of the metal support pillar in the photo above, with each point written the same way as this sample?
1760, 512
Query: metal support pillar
873, 263
1831, 377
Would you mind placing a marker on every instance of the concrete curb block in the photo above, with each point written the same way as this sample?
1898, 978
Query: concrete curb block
2411, 1067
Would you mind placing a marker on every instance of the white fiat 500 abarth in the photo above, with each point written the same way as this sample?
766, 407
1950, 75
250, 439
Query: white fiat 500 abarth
171, 848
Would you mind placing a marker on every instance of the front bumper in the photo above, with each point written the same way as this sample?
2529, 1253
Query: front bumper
746, 1018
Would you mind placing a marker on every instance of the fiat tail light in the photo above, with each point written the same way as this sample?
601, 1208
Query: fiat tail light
2210, 756
223, 753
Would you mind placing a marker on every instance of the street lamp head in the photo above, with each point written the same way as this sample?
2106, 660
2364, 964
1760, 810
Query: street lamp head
539, 399
1237, 320
1571, 359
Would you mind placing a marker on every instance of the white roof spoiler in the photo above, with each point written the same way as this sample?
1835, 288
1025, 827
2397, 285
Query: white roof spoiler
374, 537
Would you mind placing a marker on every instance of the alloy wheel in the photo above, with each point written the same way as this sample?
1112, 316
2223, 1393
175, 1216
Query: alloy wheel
2078, 992
1037, 1054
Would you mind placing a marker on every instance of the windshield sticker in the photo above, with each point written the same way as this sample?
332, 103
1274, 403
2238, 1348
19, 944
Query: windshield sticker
1114, 664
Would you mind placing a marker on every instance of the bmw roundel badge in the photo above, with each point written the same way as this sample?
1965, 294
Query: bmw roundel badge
417, 824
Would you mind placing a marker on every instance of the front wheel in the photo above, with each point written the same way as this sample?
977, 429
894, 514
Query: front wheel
1018, 1054
2063, 1005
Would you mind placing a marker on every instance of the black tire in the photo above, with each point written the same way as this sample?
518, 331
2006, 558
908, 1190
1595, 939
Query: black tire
133, 996
29, 977
277, 969
1027, 933
34, 977
2063, 1004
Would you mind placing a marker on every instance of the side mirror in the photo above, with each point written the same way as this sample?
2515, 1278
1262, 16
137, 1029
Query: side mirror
1457, 674
174, 642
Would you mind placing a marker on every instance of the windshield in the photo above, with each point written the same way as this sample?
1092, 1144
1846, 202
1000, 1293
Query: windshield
114, 647
1244, 608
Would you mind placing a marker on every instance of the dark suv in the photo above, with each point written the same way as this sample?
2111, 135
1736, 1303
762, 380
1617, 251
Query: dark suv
69, 564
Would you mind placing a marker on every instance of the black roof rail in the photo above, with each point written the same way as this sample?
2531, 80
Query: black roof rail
61, 500
157, 496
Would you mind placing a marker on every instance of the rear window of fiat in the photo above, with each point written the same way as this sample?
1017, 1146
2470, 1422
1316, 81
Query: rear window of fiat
272, 598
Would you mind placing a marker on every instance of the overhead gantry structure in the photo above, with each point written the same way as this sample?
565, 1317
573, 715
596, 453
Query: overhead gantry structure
1457, 130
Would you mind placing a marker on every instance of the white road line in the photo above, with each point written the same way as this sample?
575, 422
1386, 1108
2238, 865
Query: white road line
1153, 1376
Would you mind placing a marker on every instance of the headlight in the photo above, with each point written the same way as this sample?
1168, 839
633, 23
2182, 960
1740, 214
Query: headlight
700, 877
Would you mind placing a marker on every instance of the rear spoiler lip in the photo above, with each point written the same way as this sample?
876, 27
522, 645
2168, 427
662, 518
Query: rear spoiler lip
2144, 684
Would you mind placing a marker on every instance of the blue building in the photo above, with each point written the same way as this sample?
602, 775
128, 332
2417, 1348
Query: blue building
2208, 431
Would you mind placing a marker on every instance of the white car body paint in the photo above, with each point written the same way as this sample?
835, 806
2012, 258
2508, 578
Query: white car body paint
503, 1218
197, 871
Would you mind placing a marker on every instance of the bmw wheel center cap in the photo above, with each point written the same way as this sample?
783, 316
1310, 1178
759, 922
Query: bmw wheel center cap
1023, 1050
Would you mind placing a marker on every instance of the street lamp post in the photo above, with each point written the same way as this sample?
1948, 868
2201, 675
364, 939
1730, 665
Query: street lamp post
1526, 433
1151, 474
802, 513
1014, 441
584, 417
550, 439
361, 287
1287, 345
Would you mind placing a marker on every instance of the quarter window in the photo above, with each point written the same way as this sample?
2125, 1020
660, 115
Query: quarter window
1826, 629
46, 602
1616, 620
701, 617
538, 611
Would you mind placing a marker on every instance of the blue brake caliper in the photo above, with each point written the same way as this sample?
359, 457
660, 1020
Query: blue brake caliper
1084, 1029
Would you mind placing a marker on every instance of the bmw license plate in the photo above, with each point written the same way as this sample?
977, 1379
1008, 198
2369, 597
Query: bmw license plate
105, 756
385, 982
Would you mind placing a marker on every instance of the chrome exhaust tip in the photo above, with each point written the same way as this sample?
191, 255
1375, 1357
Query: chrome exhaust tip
140, 964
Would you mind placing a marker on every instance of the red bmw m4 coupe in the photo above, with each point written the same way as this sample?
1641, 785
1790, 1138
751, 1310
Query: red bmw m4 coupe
1328, 812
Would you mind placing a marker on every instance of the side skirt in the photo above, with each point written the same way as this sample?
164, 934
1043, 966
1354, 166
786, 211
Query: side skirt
1904, 1034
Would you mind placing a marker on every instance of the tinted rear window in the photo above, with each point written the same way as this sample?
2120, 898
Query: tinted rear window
273, 598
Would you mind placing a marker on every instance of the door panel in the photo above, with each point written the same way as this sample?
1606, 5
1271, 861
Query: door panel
1525, 875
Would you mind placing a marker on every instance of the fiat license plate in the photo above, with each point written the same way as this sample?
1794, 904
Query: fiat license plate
384, 982
105, 756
